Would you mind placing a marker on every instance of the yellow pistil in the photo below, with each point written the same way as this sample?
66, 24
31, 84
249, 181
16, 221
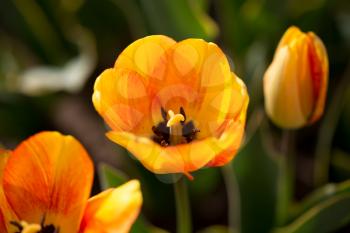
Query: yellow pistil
174, 123
30, 228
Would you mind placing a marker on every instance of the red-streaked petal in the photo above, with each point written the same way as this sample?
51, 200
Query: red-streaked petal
5, 211
49, 174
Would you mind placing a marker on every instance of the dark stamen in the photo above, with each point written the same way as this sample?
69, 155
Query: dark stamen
162, 132
47, 228
18, 225
189, 131
182, 111
164, 113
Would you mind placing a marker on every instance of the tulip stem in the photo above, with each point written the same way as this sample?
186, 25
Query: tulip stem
233, 196
285, 181
183, 210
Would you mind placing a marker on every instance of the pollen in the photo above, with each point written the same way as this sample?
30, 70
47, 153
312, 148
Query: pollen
31, 228
174, 118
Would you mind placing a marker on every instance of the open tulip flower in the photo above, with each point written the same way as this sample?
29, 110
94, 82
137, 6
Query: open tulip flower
176, 106
45, 185
295, 84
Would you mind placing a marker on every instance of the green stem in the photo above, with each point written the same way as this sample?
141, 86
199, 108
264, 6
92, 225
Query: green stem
183, 210
233, 196
285, 182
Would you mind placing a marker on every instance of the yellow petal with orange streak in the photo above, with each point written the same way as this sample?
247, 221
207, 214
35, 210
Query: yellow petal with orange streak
291, 34
49, 174
236, 132
281, 91
121, 98
113, 210
182, 158
147, 56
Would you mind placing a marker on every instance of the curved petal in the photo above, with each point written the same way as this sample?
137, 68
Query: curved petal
281, 88
183, 158
49, 175
291, 34
146, 56
123, 95
4, 208
121, 98
204, 68
236, 133
113, 210
318, 59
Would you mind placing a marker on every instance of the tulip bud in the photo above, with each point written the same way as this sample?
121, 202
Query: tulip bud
295, 84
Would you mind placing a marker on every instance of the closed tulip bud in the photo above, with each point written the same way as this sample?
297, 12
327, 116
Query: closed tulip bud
295, 84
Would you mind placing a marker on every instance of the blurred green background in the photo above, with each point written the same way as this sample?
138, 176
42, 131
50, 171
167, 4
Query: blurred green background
52, 51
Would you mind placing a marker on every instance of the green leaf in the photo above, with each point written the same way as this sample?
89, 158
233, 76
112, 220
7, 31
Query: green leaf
110, 177
327, 216
320, 195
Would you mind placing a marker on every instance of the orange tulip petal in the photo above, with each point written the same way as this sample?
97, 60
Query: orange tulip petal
113, 210
147, 56
291, 34
49, 174
183, 158
236, 133
281, 90
4, 208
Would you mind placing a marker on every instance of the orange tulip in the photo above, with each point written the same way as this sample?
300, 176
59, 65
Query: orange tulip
295, 84
46, 182
177, 107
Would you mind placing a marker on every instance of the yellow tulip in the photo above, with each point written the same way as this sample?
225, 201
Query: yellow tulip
45, 186
176, 106
295, 84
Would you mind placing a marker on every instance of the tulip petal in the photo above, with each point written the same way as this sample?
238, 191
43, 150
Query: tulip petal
147, 57
282, 99
113, 210
49, 175
291, 34
236, 132
319, 72
4, 208
183, 158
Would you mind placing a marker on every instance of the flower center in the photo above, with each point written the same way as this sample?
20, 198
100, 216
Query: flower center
24, 227
174, 130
